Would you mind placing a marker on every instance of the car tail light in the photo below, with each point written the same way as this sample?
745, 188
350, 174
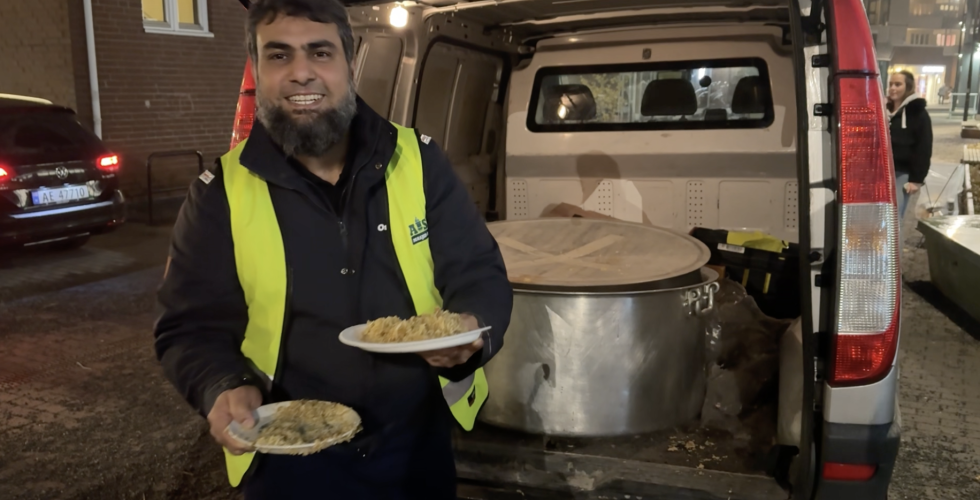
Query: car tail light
848, 472
5, 174
245, 114
108, 163
869, 298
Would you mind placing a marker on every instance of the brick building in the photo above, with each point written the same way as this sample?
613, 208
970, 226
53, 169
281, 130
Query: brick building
168, 73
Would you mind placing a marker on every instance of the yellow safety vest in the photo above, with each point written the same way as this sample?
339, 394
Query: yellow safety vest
260, 259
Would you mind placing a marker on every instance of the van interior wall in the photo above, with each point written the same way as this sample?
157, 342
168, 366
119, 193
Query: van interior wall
458, 107
443, 77
734, 179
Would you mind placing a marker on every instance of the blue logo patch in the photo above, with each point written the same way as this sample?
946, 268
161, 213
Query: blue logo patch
419, 231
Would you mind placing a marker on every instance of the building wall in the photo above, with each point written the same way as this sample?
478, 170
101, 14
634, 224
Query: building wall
36, 58
162, 92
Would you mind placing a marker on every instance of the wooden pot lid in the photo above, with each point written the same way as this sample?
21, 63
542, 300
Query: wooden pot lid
582, 253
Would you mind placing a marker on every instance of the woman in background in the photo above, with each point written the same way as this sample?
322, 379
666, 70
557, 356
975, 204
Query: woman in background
911, 131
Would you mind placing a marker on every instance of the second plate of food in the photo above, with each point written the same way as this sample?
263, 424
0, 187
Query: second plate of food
298, 427
427, 332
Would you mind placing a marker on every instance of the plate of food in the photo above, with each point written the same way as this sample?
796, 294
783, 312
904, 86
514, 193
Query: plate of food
426, 332
299, 427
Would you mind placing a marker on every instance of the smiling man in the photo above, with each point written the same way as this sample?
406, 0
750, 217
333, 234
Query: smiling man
326, 217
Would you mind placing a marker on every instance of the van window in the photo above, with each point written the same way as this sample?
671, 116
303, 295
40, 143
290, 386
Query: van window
682, 95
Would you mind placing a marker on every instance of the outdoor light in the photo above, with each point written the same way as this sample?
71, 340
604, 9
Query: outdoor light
399, 17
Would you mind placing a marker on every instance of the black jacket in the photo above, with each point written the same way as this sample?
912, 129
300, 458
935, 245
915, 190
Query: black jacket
203, 323
911, 130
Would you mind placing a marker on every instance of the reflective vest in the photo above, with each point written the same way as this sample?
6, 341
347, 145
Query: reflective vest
261, 263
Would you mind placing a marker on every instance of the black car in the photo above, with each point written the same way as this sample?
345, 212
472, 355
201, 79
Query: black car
58, 181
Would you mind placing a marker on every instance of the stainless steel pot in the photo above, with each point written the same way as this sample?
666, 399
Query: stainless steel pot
601, 364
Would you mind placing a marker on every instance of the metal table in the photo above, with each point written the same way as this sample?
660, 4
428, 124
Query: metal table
953, 244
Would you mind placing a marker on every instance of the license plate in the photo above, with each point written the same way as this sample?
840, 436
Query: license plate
59, 195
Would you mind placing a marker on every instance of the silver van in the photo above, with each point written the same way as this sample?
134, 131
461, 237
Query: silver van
726, 114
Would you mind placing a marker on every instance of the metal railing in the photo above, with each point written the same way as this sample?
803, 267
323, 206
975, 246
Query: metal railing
149, 176
957, 100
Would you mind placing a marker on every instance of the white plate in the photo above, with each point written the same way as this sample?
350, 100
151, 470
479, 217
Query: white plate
352, 337
265, 415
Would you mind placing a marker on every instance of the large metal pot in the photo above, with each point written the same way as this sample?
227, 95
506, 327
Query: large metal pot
601, 363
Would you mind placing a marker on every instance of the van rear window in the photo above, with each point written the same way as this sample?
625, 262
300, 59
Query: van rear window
678, 95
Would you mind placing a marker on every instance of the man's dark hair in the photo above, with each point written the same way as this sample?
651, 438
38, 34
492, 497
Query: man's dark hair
321, 11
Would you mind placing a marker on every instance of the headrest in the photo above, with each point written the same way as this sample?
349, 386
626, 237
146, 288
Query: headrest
669, 98
568, 102
715, 114
751, 96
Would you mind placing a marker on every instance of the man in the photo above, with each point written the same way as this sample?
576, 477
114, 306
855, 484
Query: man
326, 217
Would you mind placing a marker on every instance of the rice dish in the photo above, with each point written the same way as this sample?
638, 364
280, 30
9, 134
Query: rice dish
318, 423
423, 327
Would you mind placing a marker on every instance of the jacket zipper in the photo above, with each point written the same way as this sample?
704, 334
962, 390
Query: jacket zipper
343, 234
344, 202
285, 325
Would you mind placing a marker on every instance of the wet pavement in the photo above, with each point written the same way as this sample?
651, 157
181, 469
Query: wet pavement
939, 389
86, 414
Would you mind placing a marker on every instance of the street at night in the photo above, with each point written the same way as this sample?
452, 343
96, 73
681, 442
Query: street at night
489, 250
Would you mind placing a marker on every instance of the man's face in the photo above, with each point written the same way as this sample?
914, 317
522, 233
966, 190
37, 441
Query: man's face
303, 84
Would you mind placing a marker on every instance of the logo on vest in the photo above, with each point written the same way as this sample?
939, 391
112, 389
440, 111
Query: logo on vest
418, 231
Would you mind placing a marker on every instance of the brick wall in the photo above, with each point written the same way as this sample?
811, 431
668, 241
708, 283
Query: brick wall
166, 92
36, 59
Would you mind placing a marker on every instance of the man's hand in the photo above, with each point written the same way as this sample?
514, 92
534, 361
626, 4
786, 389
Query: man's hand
911, 187
454, 356
235, 404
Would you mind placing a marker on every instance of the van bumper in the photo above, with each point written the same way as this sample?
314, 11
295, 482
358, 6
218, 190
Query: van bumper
858, 444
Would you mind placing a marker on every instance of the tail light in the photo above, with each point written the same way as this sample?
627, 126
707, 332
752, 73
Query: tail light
5, 174
245, 113
869, 299
108, 163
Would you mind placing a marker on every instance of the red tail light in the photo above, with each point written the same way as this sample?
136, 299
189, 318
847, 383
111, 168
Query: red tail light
855, 46
869, 300
245, 114
848, 472
5, 174
109, 163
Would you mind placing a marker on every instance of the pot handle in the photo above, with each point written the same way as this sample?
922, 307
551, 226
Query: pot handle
710, 290
702, 300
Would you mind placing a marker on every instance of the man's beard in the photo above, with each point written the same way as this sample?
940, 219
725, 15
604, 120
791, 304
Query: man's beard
313, 137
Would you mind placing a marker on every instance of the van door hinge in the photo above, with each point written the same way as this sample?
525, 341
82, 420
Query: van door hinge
820, 61
820, 281
822, 109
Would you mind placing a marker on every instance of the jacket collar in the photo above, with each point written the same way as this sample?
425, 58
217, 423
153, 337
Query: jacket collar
372, 142
908, 100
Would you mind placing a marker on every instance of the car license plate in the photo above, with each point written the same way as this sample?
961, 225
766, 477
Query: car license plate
59, 195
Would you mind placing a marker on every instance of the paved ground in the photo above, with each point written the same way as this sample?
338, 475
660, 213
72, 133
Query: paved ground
86, 414
130, 248
939, 388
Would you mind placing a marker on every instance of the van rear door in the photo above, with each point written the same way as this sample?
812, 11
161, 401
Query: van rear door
855, 274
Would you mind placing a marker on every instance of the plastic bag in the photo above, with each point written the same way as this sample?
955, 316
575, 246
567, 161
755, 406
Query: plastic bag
742, 357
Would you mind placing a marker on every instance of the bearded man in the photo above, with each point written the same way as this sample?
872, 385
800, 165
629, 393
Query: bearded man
326, 217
